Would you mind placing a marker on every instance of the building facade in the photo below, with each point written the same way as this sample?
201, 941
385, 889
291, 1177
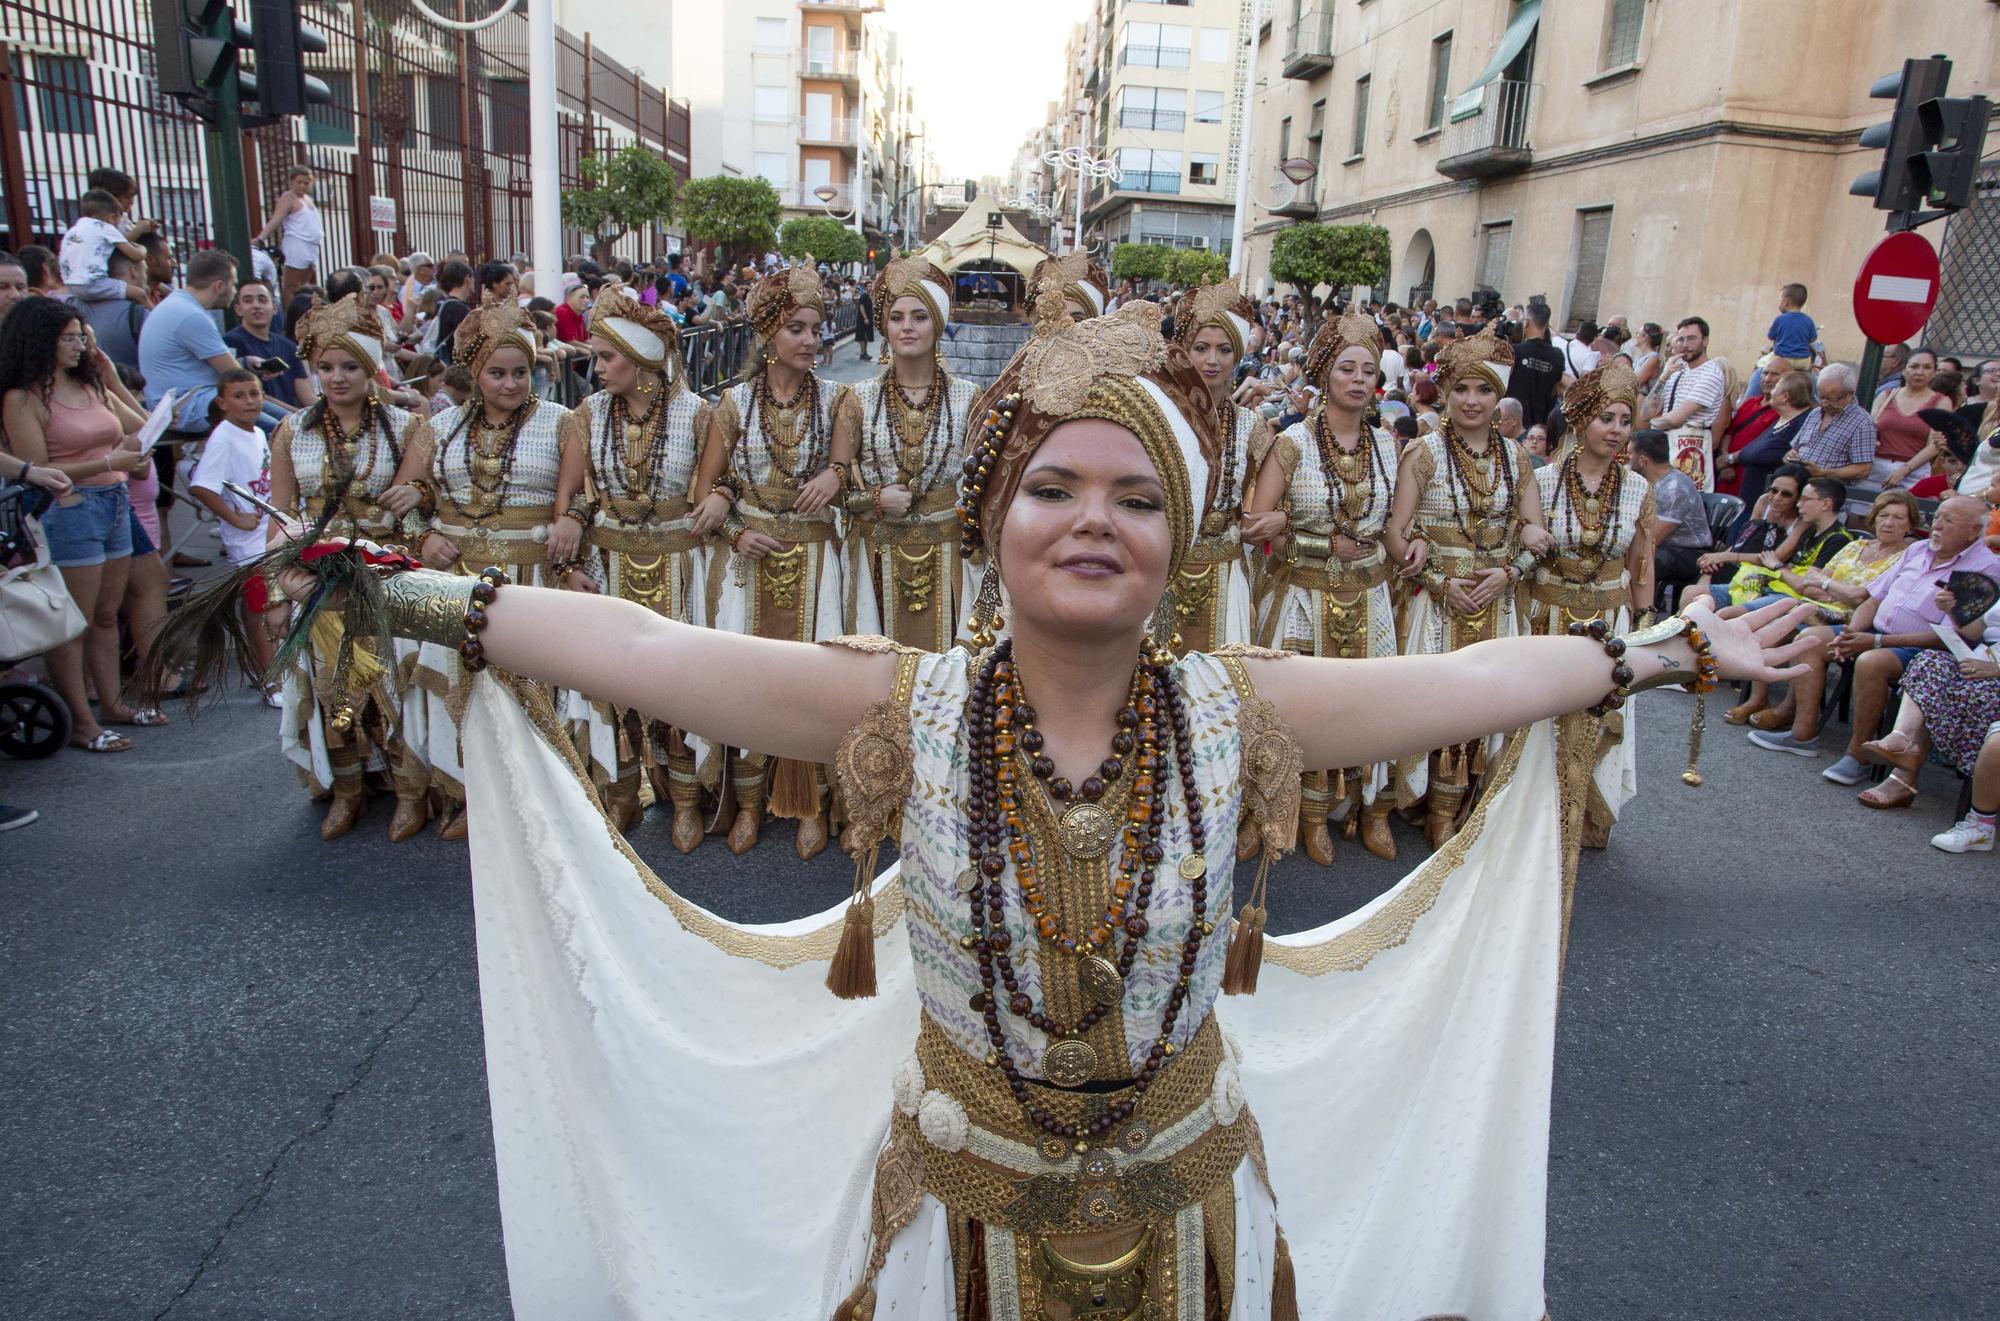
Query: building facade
1651, 158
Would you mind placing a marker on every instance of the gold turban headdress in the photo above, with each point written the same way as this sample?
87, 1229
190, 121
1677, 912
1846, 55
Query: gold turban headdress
1336, 336
1116, 368
644, 334
492, 327
1610, 382
342, 325
1484, 354
781, 293
914, 277
1221, 305
1072, 276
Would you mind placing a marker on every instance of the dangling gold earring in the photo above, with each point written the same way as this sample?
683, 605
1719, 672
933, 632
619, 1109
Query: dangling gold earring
986, 620
1161, 637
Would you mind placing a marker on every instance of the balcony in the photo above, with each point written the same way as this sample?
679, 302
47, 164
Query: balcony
844, 65
1156, 121
1149, 181
1154, 57
851, 10
1487, 132
842, 131
1299, 201
1309, 45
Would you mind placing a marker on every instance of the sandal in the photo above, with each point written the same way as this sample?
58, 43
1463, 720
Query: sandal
1771, 719
1904, 758
1741, 715
1885, 796
146, 717
106, 741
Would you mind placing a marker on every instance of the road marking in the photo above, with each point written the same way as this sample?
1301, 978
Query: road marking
1899, 289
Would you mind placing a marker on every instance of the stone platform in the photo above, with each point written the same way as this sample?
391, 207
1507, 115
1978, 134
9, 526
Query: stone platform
979, 353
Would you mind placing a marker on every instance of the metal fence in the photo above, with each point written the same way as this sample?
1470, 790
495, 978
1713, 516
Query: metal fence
436, 121
1966, 321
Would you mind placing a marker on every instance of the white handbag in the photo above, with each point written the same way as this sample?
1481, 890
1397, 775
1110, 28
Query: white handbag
36, 612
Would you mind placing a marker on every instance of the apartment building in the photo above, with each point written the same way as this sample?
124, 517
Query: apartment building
1652, 158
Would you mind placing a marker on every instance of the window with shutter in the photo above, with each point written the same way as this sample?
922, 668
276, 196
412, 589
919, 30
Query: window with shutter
1440, 80
1593, 244
1494, 242
1360, 115
1623, 24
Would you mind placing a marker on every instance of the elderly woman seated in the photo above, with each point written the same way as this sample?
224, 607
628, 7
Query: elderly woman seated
1950, 711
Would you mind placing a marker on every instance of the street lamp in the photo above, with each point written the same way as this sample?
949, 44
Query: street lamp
1086, 167
1298, 170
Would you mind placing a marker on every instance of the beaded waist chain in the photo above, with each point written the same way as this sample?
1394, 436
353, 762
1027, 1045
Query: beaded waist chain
517, 535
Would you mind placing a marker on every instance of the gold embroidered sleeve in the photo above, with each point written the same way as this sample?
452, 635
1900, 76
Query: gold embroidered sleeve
1262, 438
281, 441
419, 444
847, 431
1648, 514
1524, 468
1420, 465
1285, 450
874, 763
1271, 758
574, 429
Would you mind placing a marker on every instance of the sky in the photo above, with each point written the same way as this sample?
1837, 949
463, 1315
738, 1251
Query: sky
983, 72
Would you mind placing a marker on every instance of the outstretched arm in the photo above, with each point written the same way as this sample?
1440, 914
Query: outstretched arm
1358, 712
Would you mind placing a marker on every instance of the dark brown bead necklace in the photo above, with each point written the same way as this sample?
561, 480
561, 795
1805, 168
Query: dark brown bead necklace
991, 714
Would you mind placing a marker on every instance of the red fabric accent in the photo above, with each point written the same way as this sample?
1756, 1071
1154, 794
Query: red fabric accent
1753, 417
257, 597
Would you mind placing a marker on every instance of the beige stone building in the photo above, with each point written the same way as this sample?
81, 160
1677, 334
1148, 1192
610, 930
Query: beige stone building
1650, 158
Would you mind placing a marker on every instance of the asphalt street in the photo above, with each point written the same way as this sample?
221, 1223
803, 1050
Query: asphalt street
243, 1077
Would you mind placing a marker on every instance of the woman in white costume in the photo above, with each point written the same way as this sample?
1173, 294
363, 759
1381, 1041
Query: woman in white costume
907, 429
1323, 496
628, 459
688, 1125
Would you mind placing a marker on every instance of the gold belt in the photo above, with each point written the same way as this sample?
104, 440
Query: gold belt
789, 528
1214, 550
501, 544
510, 518
374, 520
1595, 596
634, 511
1338, 575
1171, 1154
931, 520
666, 533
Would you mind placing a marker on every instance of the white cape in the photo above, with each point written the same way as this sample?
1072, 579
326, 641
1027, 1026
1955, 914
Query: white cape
686, 1120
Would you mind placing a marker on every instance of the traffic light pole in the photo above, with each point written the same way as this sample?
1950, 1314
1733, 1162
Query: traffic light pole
231, 224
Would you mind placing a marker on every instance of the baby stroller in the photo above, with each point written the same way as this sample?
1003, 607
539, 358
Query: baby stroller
36, 615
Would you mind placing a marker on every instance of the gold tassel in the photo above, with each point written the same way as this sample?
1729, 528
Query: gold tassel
1479, 757
1246, 938
1284, 1284
1340, 784
852, 973
1692, 777
794, 792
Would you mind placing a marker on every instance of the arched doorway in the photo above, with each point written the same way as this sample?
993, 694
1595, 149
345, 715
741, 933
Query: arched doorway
1420, 267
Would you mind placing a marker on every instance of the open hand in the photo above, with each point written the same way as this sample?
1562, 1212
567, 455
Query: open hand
1758, 646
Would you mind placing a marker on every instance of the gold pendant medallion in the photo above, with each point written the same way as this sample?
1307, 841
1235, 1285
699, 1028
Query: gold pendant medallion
1101, 980
1087, 830
1069, 1063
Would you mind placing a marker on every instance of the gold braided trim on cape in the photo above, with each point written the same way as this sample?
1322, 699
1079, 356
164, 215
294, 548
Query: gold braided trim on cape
1391, 924
812, 946
1081, 1193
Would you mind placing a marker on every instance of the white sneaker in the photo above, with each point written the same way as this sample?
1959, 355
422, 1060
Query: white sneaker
1968, 836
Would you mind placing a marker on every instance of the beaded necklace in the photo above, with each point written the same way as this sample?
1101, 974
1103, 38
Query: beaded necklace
1472, 492
1000, 724
1352, 476
1592, 516
1216, 522
785, 455
615, 443
489, 469
936, 438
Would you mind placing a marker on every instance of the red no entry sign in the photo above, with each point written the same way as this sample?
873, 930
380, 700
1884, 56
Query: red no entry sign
1897, 288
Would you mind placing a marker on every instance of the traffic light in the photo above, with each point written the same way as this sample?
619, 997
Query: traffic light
1930, 146
197, 45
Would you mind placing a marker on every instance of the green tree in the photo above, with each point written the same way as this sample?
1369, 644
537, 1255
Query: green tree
1193, 266
629, 189
731, 212
1307, 256
1140, 261
822, 238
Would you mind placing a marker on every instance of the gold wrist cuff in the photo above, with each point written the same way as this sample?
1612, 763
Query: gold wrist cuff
1653, 635
427, 606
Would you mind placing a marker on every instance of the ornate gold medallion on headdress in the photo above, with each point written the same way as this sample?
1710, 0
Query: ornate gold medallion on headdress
1610, 382
1221, 305
343, 325
913, 277
488, 329
1116, 368
1336, 336
781, 293
1073, 277
646, 335
1484, 354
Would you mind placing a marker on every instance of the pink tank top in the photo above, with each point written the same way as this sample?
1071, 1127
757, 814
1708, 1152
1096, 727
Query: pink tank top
80, 433
1899, 435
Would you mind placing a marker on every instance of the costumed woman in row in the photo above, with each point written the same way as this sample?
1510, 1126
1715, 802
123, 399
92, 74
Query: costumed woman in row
490, 476
1322, 498
1600, 575
907, 429
770, 472
1077, 279
687, 1124
628, 460
348, 448
1470, 493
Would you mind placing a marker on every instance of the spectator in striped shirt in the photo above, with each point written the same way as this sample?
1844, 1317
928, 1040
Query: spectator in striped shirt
1691, 391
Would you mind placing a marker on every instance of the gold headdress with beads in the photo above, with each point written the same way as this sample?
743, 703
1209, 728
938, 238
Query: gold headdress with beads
780, 293
644, 334
1611, 382
1116, 368
913, 277
1218, 304
490, 328
342, 325
1072, 276
1336, 336
1484, 354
